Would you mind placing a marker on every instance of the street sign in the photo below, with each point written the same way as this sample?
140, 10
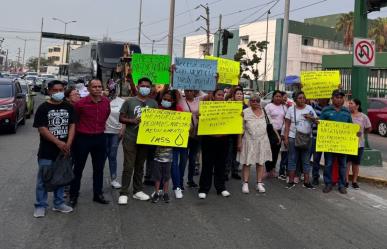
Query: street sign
363, 52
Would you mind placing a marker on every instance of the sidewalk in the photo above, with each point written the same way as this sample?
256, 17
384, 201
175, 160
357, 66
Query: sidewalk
374, 174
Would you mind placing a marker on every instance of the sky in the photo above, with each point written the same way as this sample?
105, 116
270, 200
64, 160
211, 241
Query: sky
118, 19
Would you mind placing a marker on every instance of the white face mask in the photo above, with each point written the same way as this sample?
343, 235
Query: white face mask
144, 91
166, 104
57, 96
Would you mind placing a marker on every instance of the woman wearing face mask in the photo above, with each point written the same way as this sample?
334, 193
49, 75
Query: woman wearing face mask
365, 127
214, 153
114, 132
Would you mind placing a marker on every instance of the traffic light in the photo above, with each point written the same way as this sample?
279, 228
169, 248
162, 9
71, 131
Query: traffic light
226, 35
375, 5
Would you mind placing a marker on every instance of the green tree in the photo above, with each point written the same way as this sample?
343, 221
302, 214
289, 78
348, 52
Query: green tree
378, 32
32, 62
345, 25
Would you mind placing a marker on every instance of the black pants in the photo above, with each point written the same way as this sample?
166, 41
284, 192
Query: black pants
83, 145
231, 163
149, 162
214, 153
275, 150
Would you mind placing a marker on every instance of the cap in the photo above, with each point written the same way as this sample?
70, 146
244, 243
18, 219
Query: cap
55, 82
338, 92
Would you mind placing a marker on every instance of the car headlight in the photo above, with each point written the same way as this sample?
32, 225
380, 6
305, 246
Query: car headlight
8, 107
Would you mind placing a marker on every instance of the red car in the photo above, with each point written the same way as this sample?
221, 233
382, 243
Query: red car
377, 112
12, 105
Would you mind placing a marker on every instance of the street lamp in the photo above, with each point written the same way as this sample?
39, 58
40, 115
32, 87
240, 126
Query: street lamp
24, 50
64, 40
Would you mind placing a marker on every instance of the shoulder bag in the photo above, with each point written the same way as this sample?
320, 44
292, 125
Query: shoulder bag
273, 138
302, 140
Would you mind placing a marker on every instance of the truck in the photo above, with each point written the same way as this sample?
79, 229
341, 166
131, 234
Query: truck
97, 60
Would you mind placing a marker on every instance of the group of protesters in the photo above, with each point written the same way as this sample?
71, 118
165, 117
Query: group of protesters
96, 124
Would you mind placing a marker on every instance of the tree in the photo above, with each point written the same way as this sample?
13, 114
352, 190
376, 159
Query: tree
378, 31
249, 65
32, 62
345, 25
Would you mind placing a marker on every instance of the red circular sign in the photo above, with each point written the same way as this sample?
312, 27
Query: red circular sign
362, 56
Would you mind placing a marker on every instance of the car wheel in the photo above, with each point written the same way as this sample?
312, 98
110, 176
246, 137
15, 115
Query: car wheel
13, 128
23, 121
382, 129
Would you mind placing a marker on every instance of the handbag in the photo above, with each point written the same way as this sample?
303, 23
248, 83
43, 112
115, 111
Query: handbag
302, 140
193, 131
273, 138
59, 174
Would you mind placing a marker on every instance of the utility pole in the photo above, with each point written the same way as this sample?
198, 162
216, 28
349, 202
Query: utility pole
284, 49
24, 50
219, 35
139, 24
171, 27
267, 33
6, 61
64, 40
207, 29
40, 47
153, 44
18, 57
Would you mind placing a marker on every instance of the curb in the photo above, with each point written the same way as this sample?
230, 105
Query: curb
375, 180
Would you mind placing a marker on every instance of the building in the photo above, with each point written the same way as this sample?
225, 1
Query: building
307, 44
54, 54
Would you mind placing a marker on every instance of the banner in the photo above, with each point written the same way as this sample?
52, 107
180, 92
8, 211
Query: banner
164, 128
337, 137
228, 70
220, 117
154, 67
195, 74
319, 84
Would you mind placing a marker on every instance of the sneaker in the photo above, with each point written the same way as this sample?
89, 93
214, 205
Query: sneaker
39, 212
327, 189
155, 197
346, 185
302, 178
63, 209
315, 181
355, 185
290, 185
282, 177
225, 193
308, 186
202, 195
166, 197
122, 200
245, 188
342, 190
296, 180
115, 184
141, 196
260, 188
178, 193
192, 184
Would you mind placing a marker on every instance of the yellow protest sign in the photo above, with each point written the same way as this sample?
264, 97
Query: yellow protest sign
319, 84
164, 127
220, 117
228, 70
337, 137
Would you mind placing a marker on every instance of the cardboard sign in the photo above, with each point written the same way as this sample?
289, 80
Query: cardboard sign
228, 70
164, 128
337, 137
195, 74
154, 67
319, 84
220, 117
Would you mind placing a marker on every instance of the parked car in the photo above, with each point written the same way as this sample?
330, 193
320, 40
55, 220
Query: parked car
12, 105
38, 84
29, 98
31, 80
377, 112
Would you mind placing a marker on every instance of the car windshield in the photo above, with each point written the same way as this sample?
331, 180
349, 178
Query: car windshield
24, 88
5, 91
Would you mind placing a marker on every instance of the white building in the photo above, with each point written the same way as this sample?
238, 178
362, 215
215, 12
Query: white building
54, 54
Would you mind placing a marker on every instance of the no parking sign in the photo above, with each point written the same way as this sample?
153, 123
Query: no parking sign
363, 52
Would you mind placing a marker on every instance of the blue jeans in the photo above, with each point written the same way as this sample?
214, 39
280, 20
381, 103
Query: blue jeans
179, 162
316, 159
295, 155
112, 143
342, 160
41, 193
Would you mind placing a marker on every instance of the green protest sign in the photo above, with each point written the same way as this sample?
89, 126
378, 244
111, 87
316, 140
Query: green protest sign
154, 67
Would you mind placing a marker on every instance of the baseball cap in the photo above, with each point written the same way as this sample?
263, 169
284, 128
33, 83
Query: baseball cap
338, 92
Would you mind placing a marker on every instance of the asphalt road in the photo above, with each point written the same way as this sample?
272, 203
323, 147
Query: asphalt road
380, 143
281, 218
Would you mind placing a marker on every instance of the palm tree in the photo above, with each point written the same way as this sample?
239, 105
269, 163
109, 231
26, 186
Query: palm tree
345, 24
378, 31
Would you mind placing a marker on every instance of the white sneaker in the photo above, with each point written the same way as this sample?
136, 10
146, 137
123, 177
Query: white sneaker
63, 209
202, 195
178, 193
260, 188
123, 200
115, 184
39, 212
141, 196
245, 188
225, 193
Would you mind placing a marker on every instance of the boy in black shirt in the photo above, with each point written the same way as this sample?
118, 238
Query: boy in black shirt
55, 122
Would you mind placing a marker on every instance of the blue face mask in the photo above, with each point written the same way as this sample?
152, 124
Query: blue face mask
144, 91
166, 104
57, 96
